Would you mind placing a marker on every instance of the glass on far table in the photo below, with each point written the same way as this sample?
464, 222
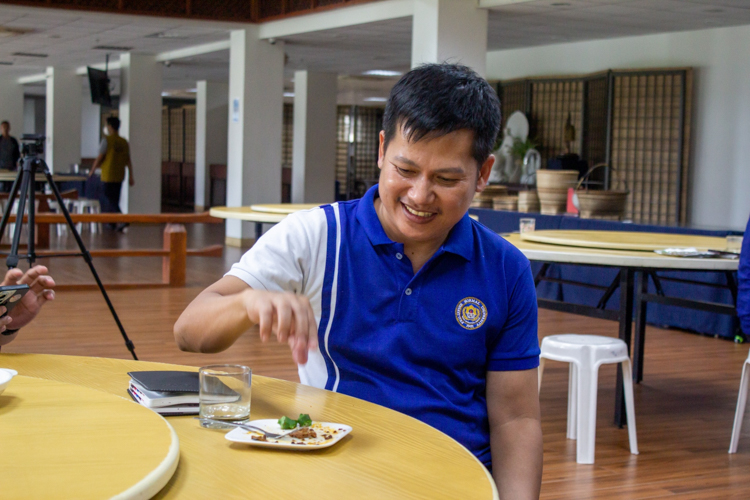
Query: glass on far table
224, 393
527, 225
734, 244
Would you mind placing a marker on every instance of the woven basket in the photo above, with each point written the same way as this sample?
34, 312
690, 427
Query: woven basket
553, 201
556, 178
607, 204
528, 201
508, 203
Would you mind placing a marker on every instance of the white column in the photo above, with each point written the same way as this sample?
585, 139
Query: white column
256, 100
91, 127
140, 116
211, 111
449, 31
314, 152
63, 119
12, 105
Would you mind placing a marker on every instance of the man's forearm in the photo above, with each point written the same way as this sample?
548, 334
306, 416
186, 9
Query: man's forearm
211, 323
517, 459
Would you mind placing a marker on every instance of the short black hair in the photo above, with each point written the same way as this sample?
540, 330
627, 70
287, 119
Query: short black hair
5, 122
113, 122
437, 99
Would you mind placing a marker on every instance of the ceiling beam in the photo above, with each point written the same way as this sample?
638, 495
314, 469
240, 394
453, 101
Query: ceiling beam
337, 18
196, 50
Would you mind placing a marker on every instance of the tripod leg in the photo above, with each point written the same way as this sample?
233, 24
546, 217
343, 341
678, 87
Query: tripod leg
11, 199
32, 211
87, 257
12, 260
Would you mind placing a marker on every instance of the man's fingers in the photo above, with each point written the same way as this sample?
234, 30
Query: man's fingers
32, 275
312, 336
265, 321
12, 277
42, 283
283, 320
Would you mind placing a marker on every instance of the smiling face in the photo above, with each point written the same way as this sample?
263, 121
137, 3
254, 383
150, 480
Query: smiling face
426, 186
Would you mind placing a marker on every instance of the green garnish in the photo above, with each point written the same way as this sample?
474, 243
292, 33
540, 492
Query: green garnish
304, 420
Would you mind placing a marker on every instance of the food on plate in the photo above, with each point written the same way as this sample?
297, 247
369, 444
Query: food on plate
304, 420
313, 435
303, 433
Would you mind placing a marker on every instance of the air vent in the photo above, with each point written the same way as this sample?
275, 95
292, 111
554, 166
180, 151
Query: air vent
6, 63
113, 48
29, 54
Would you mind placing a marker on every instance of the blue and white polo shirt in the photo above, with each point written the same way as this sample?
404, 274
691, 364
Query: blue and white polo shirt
420, 344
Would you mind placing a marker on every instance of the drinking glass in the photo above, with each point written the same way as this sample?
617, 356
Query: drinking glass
527, 225
734, 244
224, 393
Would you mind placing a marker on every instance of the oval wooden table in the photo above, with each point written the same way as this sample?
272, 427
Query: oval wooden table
634, 297
624, 240
60, 440
387, 456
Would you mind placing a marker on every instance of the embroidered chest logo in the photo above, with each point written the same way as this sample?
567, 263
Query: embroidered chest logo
471, 313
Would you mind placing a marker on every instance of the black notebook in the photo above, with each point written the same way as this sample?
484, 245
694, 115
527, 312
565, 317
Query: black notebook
167, 381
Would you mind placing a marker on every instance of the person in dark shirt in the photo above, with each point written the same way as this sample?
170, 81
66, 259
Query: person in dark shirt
9, 151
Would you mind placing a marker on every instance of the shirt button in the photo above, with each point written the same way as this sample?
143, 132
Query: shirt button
399, 256
408, 291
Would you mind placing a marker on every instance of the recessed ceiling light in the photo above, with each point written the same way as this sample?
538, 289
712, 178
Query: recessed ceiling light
382, 72
375, 99
4, 31
28, 54
166, 34
560, 4
6, 63
113, 48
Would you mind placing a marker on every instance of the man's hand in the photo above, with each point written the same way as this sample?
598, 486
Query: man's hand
286, 315
226, 310
41, 290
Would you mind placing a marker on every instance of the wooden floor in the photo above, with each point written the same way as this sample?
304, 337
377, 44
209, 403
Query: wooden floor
685, 404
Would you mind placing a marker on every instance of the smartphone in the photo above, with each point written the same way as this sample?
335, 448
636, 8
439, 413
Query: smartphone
11, 295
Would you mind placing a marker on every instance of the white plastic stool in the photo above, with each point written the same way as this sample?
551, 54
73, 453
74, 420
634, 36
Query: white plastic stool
61, 228
14, 211
739, 413
586, 353
86, 206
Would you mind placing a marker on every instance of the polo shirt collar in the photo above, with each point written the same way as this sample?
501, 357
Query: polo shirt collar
460, 240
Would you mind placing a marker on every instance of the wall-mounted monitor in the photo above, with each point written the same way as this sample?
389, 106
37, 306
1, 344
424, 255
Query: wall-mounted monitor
99, 84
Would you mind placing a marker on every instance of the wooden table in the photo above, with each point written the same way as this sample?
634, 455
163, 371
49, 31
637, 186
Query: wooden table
631, 264
268, 214
625, 240
60, 440
388, 454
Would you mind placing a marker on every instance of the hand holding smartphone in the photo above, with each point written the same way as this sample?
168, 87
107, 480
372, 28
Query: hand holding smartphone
11, 295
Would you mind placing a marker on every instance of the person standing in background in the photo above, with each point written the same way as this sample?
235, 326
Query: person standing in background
113, 159
9, 151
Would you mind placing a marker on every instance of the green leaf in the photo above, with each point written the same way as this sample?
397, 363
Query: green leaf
304, 420
287, 423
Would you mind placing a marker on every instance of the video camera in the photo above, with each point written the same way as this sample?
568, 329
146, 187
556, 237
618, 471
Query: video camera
33, 145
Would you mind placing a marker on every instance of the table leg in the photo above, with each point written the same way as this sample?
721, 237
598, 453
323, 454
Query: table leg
626, 328
639, 341
258, 230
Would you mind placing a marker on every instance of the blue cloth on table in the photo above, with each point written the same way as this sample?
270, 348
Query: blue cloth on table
743, 283
657, 314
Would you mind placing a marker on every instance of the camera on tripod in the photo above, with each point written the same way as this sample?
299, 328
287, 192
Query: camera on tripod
33, 145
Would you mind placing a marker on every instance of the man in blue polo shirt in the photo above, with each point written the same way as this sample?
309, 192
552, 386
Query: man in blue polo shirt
400, 298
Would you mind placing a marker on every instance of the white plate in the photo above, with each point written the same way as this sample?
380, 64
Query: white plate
6, 374
337, 433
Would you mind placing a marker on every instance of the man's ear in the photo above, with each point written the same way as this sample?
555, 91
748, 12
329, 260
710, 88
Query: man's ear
484, 173
381, 148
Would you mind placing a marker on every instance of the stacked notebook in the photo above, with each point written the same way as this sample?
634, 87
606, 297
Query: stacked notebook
166, 392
